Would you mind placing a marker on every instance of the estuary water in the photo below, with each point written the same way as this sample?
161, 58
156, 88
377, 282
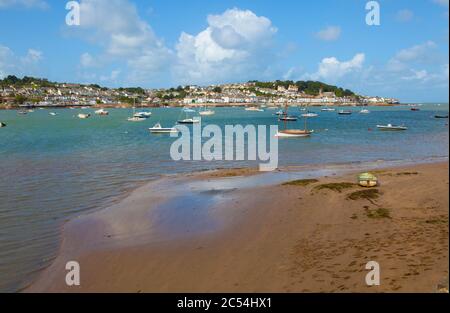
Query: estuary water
57, 167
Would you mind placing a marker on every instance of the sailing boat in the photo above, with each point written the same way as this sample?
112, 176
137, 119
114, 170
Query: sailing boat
206, 111
158, 129
294, 132
135, 117
285, 117
187, 119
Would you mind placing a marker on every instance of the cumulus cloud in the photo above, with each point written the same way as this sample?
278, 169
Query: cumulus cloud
11, 64
117, 27
416, 54
236, 44
24, 3
331, 69
330, 33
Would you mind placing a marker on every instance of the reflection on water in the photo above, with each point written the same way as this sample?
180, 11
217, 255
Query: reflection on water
53, 168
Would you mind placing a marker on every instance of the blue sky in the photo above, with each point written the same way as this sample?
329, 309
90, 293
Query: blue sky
168, 43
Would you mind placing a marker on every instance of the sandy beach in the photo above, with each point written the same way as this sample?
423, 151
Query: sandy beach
222, 232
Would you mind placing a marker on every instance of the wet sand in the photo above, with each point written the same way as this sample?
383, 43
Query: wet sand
219, 232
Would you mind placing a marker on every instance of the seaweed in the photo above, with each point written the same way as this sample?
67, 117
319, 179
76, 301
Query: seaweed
300, 182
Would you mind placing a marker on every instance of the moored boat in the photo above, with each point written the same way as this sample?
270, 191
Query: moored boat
367, 180
102, 112
2, 125
189, 121
327, 109
84, 116
310, 114
440, 116
254, 109
364, 111
206, 112
345, 112
392, 127
143, 114
158, 129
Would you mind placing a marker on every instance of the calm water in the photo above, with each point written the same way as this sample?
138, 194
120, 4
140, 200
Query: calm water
55, 167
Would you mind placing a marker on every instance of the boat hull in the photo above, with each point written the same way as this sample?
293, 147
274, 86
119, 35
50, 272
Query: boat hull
293, 133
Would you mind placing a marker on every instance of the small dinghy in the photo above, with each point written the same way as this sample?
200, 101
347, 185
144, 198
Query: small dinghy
310, 114
2, 124
254, 109
53, 114
288, 118
367, 180
294, 133
327, 109
84, 116
441, 116
189, 121
345, 112
392, 127
136, 119
102, 112
364, 111
158, 129
143, 114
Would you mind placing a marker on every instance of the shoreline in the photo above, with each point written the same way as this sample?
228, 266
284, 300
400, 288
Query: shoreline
125, 228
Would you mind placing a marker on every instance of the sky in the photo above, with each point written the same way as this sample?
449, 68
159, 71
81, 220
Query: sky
166, 43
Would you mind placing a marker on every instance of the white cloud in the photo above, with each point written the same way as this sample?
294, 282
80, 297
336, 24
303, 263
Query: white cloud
24, 3
235, 45
124, 36
416, 54
330, 33
11, 64
405, 15
331, 69
417, 75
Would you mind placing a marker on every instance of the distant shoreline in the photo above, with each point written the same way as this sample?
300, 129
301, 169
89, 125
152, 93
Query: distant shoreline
217, 105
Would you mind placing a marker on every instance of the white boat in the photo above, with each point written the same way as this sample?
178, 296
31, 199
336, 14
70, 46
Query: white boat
280, 112
327, 109
189, 121
143, 114
392, 127
136, 119
206, 112
345, 112
158, 129
2, 124
291, 133
101, 112
364, 111
188, 110
310, 115
254, 109
53, 114
84, 116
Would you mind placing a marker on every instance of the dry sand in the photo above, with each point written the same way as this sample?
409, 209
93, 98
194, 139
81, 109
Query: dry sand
284, 238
